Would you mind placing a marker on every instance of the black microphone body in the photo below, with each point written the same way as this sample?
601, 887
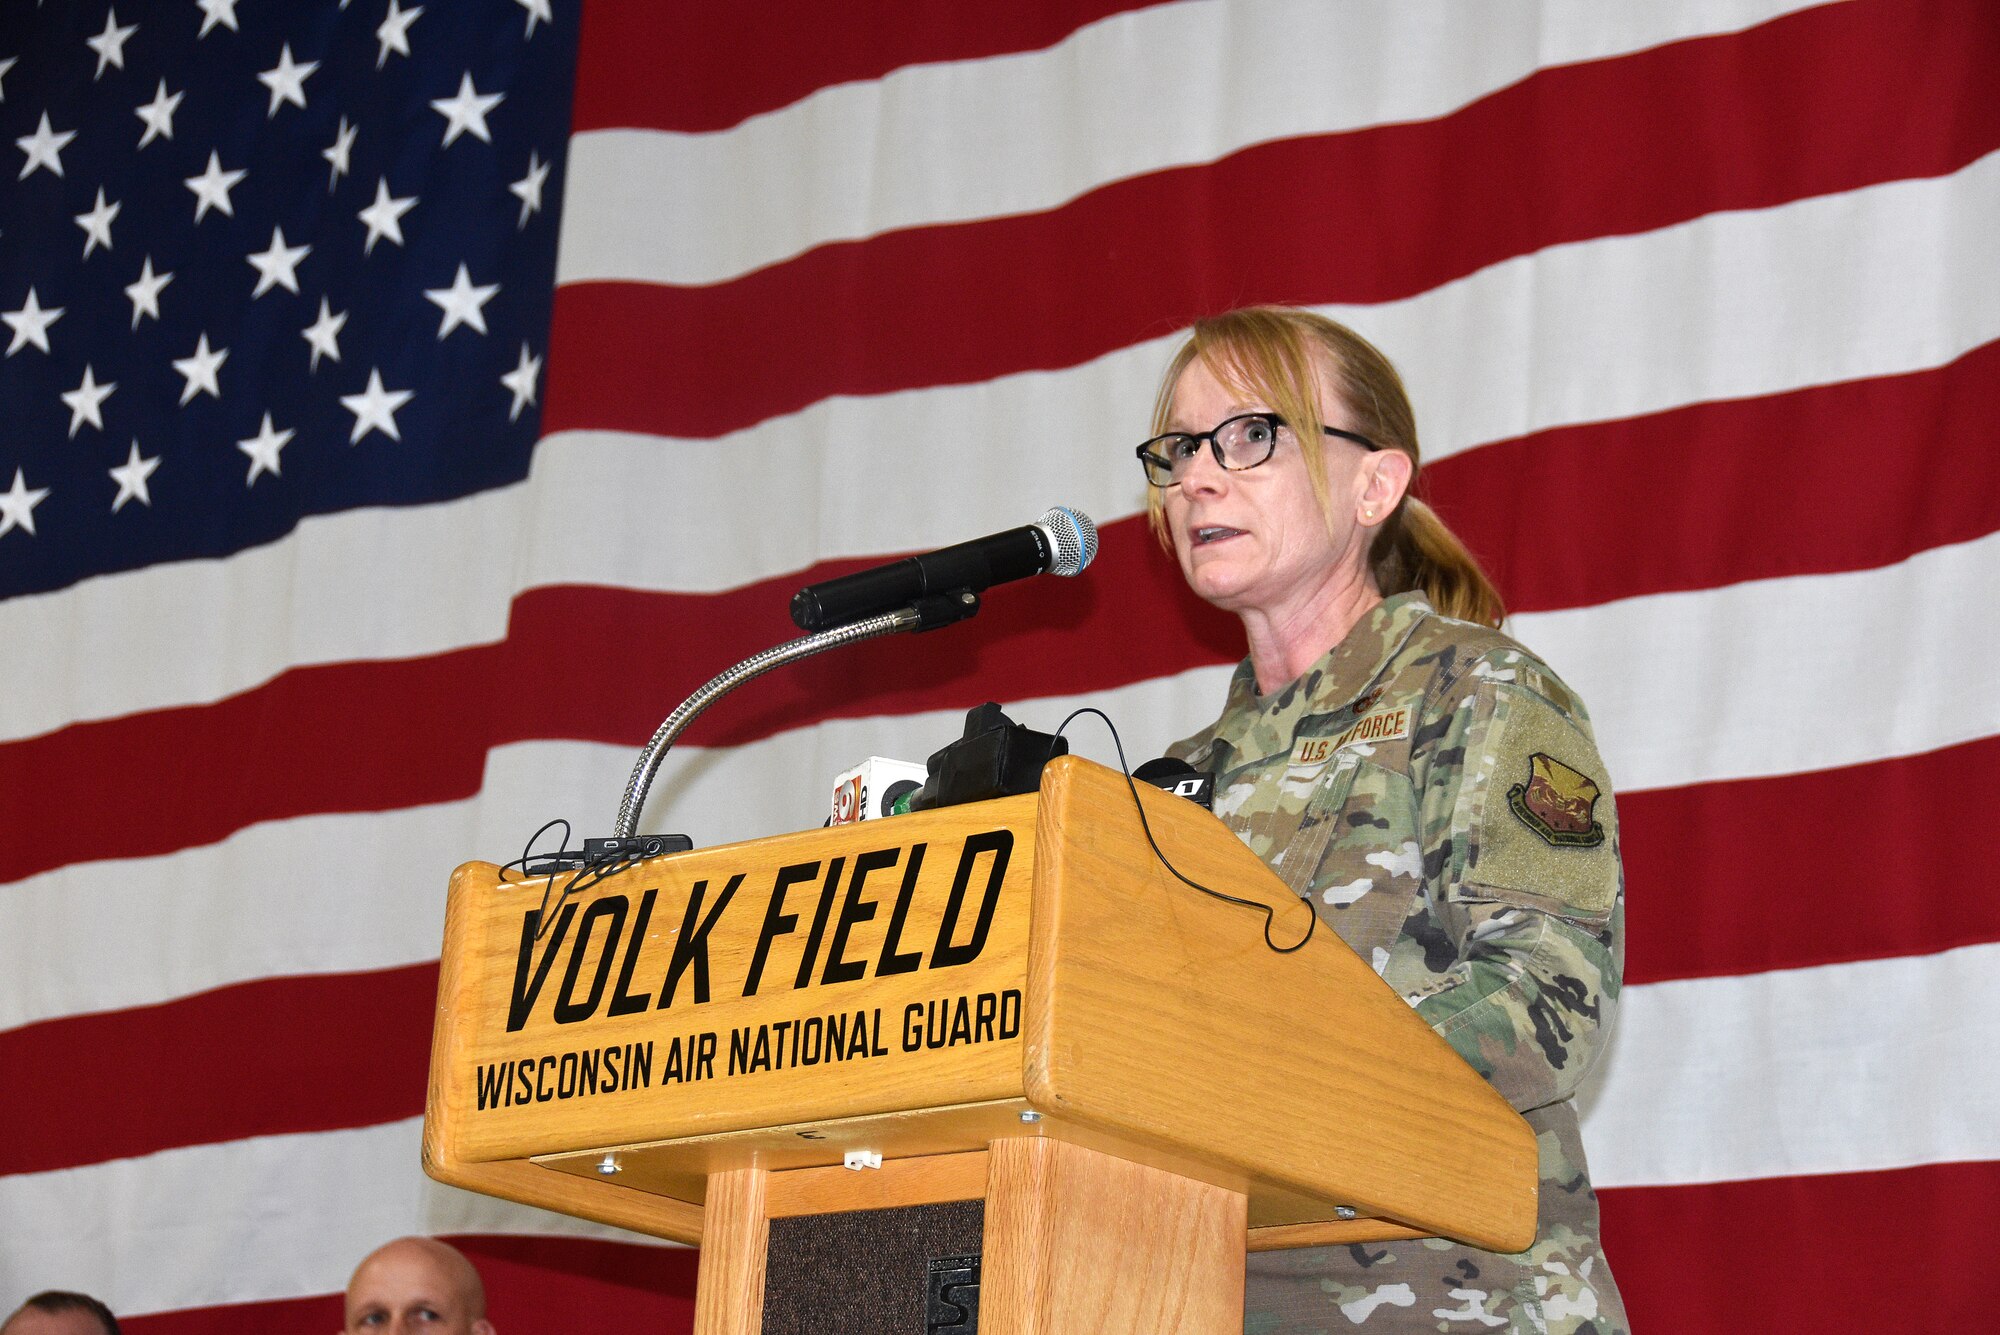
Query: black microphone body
977, 565
1179, 778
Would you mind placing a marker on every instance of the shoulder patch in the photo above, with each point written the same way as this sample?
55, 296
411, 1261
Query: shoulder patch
1558, 803
1544, 821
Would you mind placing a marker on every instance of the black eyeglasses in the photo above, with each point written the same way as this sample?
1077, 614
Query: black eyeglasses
1241, 442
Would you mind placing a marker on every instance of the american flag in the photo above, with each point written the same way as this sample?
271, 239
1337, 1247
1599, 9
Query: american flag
1699, 306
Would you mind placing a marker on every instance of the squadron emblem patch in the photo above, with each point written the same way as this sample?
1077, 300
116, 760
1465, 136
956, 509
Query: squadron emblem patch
1557, 803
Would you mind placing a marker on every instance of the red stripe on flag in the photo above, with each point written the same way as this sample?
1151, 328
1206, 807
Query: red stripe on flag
532, 1283
1909, 1250
1840, 477
1717, 121
312, 1052
707, 67
1843, 864
337, 738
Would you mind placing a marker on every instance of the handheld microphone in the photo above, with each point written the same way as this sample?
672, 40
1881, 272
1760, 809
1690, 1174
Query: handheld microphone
1061, 542
1179, 778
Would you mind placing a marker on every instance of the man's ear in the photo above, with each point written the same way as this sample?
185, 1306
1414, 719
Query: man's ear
482, 1327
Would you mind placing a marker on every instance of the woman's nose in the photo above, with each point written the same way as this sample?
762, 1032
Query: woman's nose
1203, 473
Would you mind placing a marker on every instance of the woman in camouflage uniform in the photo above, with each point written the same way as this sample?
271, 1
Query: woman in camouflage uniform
1430, 784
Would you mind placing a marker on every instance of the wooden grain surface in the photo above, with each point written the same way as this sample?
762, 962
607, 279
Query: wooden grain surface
1082, 1241
729, 1294
1156, 1028
927, 1180
886, 1061
1159, 1013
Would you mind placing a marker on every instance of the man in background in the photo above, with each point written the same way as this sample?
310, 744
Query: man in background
59, 1313
410, 1285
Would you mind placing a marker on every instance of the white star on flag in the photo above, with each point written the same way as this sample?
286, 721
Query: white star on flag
44, 148
375, 408
287, 81
110, 44
96, 224
537, 9
339, 151
465, 111
86, 402
394, 32
158, 114
212, 187
324, 334
131, 479
30, 324
263, 450
199, 369
277, 265
529, 188
144, 293
384, 216
6, 65
17, 505
214, 12
521, 382
462, 303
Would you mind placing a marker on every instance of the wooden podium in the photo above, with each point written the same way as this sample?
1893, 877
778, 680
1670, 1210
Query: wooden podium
1010, 1001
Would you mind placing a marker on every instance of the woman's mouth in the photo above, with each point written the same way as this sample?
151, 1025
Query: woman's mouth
1209, 533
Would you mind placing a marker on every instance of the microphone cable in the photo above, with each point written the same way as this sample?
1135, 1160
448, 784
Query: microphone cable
1270, 914
583, 875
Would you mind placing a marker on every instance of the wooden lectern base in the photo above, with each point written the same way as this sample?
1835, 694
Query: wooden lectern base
1074, 1240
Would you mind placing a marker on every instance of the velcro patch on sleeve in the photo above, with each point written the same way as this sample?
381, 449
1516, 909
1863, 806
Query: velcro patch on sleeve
1548, 827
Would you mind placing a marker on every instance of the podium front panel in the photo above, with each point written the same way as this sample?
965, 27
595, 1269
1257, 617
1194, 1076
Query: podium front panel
824, 975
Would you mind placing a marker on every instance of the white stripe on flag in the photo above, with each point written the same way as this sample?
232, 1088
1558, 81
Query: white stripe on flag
1784, 676
1134, 93
234, 1223
1840, 1068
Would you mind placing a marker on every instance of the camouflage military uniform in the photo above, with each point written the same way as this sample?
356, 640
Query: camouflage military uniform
1434, 789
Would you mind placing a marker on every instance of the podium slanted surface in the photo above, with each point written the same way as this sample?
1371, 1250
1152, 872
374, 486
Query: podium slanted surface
925, 986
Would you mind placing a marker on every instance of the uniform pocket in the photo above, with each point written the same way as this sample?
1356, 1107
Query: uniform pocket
1299, 860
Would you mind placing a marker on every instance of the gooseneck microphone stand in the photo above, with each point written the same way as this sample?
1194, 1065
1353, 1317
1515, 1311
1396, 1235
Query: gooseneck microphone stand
929, 613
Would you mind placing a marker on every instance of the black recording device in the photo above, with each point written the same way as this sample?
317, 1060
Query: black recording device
996, 757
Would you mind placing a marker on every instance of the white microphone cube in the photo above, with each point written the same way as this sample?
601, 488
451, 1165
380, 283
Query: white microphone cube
870, 789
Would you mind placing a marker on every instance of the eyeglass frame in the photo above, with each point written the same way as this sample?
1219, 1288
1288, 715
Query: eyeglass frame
1215, 445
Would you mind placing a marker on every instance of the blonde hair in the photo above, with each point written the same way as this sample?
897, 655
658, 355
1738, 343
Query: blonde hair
1271, 354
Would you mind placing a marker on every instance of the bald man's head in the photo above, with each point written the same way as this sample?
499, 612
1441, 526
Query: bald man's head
61, 1313
416, 1284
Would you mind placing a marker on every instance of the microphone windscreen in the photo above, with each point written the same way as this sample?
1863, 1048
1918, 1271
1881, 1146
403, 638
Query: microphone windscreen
1074, 537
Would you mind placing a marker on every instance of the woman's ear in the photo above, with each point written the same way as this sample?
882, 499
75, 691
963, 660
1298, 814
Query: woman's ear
1386, 476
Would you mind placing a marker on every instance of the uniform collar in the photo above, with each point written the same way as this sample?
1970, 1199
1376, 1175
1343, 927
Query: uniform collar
1254, 726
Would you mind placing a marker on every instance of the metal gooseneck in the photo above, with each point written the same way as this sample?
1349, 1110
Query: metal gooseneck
925, 614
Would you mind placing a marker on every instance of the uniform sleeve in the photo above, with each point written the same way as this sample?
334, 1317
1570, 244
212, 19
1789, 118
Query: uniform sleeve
1523, 875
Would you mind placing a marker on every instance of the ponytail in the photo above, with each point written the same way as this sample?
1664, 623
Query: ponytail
1416, 550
